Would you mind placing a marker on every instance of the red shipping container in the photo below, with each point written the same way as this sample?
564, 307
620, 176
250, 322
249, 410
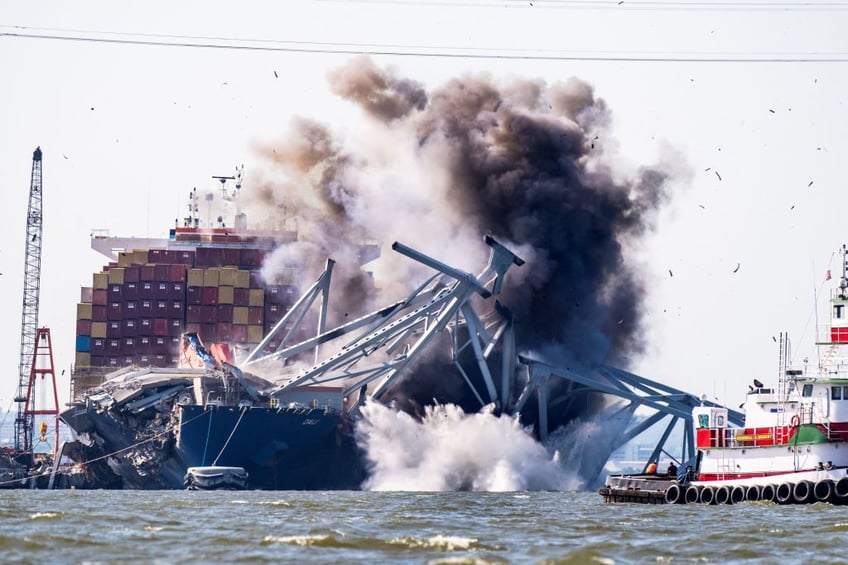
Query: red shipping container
129, 328
224, 332
131, 291
239, 333
83, 327
207, 333
147, 273
98, 347
193, 314
175, 309
177, 272
115, 311
194, 295
193, 327
146, 290
209, 295
160, 326
100, 296
255, 315
145, 326
231, 256
251, 257
98, 313
225, 313
208, 314
241, 296
162, 272
132, 274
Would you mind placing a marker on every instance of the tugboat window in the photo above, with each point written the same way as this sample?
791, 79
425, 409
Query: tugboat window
845, 392
836, 393
807, 390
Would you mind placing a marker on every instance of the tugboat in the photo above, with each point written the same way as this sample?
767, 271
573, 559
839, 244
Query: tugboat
793, 446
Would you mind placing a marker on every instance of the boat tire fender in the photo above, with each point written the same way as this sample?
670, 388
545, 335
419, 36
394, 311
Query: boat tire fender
693, 494
783, 493
707, 495
802, 492
752, 493
767, 493
840, 489
737, 494
722, 495
673, 495
823, 490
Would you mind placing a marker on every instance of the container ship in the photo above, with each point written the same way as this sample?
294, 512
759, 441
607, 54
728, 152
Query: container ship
155, 388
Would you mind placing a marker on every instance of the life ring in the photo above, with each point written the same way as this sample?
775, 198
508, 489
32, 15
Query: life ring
795, 421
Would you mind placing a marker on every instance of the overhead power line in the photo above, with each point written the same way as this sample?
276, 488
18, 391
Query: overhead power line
431, 51
629, 5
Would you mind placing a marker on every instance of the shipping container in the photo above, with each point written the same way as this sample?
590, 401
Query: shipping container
162, 290
177, 272
156, 256
209, 295
131, 309
147, 289
194, 295
195, 277
131, 291
147, 273
114, 329
207, 333
240, 315
82, 359
224, 332
98, 313
256, 280
144, 344
208, 314
239, 333
100, 280
98, 361
163, 273
84, 311
160, 326
225, 294
230, 256
177, 291
84, 343
98, 346
225, 313
241, 296
242, 279
227, 276
98, 329
254, 334
211, 277
255, 315
113, 347
176, 309
86, 293
185, 258
257, 297
145, 308
140, 256
84, 327
115, 311
175, 327
132, 274
251, 257
193, 313
145, 326
128, 346
100, 296
129, 327
116, 275
116, 292
193, 327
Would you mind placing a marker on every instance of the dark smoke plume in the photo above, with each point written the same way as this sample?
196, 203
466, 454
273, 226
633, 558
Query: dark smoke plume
523, 161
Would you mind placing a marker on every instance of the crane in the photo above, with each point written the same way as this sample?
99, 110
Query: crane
25, 419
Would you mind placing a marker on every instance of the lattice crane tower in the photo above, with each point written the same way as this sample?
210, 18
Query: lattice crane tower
25, 419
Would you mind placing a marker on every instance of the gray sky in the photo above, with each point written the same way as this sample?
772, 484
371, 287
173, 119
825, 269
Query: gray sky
747, 98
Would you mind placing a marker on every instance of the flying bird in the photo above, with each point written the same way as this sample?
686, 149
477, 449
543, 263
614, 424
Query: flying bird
737, 267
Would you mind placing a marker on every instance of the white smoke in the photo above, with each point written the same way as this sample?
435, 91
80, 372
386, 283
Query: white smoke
449, 450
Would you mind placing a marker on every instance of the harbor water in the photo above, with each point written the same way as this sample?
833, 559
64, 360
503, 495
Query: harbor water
405, 527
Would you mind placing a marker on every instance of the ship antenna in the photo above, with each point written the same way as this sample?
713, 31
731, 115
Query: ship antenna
843, 283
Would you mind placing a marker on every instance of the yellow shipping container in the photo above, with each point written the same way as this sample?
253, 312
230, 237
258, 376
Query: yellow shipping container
225, 295
254, 334
83, 359
242, 279
227, 276
211, 277
195, 277
98, 329
256, 297
140, 256
116, 275
125, 259
100, 281
240, 315
84, 311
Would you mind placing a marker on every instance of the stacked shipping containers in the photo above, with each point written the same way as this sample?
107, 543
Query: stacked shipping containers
137, 308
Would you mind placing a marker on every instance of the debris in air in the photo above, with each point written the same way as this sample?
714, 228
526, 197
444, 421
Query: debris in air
737, 267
